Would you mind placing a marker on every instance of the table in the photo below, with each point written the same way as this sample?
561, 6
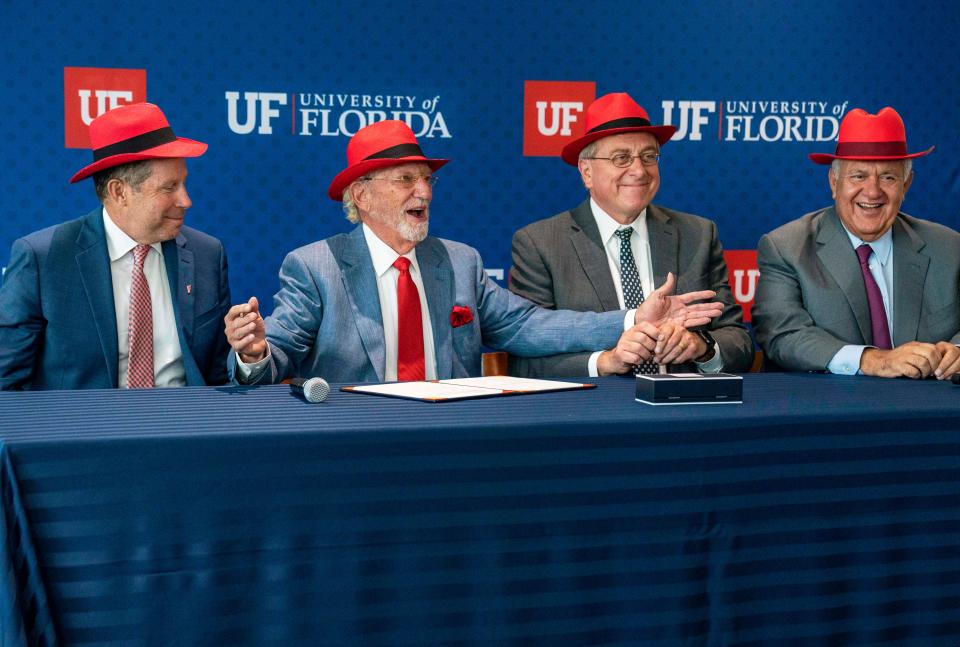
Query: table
824, 510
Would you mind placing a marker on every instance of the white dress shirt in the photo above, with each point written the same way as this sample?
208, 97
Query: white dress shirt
383, 257
640, 246
167, 355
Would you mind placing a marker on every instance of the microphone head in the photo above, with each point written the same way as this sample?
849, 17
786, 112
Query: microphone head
315, 390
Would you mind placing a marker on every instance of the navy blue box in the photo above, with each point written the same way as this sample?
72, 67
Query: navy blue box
690, 388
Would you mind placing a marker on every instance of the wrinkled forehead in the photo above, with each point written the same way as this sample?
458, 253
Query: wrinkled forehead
410, 168
628, 143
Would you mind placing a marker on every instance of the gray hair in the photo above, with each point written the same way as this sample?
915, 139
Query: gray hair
134, 174
835, 168
349, 208
590, 150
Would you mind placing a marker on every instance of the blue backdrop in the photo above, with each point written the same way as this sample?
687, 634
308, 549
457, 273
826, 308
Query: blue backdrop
764, 74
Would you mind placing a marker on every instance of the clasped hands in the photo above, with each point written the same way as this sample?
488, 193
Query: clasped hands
661, 330
914, 359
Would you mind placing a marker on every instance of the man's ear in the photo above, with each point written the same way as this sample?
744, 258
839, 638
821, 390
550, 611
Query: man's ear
586, 173
118, 191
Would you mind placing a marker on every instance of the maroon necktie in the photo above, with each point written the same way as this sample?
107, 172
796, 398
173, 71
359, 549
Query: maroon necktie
878, 315
140, 326
410, 363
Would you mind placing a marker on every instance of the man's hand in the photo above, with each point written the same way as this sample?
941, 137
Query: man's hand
949, 361
677, 345
635, 346
245, 331
914, 359
662, 305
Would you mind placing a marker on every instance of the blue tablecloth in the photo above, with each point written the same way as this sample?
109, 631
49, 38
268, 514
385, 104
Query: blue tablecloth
824, 510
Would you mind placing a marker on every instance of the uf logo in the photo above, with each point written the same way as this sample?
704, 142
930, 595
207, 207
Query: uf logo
88, 92
743, 276
552, 113
267, 112
692, 118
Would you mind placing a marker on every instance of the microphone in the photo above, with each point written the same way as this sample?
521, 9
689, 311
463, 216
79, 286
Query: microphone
312, 390
955, 379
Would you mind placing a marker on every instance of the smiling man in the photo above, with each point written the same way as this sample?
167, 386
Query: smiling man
861, 287
616, 248
387, 302
126, 296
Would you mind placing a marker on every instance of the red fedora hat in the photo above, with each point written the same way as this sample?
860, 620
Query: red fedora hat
870, 137
134, 132
613, 114
379, 145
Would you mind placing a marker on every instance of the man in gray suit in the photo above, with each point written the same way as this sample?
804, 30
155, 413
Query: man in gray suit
578, 259
387, 302
860, 287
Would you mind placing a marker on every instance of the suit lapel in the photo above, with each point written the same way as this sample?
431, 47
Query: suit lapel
437, 276
664, 245
93, 265
585, 238
837, 256
359, 280
178, 259
909, 274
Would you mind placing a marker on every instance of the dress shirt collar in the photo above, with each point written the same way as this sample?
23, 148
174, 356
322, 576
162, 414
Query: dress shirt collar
119, 243
608, 226
383, 255
882, 247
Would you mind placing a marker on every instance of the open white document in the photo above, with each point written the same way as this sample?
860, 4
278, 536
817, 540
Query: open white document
465, 388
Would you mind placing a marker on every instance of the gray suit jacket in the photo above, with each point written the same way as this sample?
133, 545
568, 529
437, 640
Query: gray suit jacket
327, 320
811, 300
560, 262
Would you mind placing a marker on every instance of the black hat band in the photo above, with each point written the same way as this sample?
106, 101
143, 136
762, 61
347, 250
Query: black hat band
136, 144
626, 122
398, 151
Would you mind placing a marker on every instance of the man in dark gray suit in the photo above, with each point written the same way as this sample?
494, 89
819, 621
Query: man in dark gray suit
577, 260
860, 287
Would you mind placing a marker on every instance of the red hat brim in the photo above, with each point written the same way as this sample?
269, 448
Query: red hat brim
827, 158
351, 173
571, 152
181, 147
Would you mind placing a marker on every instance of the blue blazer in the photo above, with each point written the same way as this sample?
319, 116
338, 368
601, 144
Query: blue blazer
327, 320
58, 325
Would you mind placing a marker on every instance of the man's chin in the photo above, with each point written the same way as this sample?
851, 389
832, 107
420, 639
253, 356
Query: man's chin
414, 233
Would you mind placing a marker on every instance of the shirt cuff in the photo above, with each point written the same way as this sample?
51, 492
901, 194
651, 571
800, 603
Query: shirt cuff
712, 365
847, 360
247, 373
592, 364
629, 320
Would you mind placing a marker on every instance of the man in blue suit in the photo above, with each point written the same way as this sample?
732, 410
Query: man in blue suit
386, 302
125, 296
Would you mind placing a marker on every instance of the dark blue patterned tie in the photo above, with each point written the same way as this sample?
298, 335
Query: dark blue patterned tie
632, 288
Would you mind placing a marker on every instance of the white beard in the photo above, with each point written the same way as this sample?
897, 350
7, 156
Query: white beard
413, 233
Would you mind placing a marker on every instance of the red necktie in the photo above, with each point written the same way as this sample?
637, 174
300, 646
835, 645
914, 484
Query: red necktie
410, 364
140, 327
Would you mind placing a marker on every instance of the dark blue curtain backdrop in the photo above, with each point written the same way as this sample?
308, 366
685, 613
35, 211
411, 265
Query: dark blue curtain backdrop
759, 75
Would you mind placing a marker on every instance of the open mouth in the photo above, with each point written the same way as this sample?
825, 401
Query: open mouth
419, 213
870, 206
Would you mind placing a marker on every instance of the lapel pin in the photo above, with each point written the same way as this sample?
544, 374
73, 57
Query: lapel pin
189, 288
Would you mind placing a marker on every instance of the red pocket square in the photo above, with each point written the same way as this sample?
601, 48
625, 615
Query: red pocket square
460, 316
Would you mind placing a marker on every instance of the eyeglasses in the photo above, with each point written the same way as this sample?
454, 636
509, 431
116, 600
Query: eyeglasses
623, 160
405, 181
